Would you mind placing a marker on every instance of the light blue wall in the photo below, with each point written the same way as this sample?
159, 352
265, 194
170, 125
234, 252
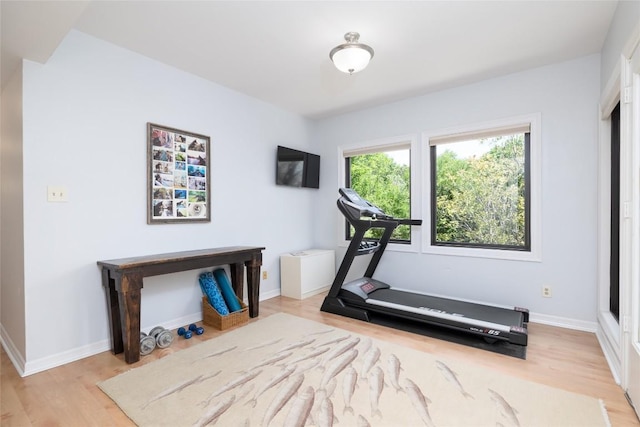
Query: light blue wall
85, 116
566, 95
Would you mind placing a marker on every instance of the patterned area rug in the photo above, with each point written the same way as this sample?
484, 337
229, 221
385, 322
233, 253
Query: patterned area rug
286, 371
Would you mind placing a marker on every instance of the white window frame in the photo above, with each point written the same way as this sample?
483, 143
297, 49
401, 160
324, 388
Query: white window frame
387, 144
535, 254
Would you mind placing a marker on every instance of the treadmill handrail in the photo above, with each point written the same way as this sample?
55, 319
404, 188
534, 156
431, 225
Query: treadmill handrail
408, 221
357, 207
354, 214
367, 211
349, 210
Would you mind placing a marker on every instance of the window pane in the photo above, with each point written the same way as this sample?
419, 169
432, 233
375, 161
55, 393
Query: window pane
384, 179
480, 195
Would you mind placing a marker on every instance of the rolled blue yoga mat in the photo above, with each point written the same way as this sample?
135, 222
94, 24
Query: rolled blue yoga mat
227, 291
212, 290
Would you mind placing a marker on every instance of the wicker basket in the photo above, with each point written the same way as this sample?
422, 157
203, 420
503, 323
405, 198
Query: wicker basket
212, 318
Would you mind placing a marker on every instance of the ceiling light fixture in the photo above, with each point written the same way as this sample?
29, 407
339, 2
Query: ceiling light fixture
351, 56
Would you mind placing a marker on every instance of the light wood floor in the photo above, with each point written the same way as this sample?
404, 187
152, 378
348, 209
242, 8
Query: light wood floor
68, 395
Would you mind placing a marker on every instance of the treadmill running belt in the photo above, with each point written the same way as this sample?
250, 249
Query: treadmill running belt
464, 309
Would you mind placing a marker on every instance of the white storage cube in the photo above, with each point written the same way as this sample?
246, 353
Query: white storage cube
306, 273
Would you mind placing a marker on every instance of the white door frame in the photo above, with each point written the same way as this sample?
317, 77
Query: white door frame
609, 331
631, 302
620, 341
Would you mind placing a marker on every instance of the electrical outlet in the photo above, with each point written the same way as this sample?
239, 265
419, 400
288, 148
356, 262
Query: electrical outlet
546, 291
264, 275
57, 194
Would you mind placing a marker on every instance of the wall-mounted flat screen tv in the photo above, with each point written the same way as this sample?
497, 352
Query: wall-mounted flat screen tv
297, 168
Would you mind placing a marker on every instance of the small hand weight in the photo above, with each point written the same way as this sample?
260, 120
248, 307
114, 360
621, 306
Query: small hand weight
147, 344
197, 329
185, 333
163, 337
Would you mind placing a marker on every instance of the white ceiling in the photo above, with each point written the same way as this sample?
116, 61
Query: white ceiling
278, 51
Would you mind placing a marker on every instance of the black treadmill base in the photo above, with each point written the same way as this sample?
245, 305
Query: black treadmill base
451, 335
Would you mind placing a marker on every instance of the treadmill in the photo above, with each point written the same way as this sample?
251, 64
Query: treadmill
374, 301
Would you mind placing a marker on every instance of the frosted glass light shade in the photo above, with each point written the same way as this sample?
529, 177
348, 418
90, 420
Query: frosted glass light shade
351, 56
351, 59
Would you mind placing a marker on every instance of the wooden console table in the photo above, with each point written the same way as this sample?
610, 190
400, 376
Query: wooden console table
122, 278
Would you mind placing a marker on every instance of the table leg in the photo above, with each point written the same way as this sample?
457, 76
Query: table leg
129, 301
237, 278
253, 284
109, 284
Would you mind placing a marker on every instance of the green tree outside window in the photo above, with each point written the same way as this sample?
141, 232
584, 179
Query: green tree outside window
385, 182
480, 199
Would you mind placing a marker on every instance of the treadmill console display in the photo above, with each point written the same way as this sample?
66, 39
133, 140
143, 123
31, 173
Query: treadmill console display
368, 287
363, 286
366, 208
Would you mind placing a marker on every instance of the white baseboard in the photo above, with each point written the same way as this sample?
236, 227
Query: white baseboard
62, 358
563, 322
33, 367
197, 317
176, 323
12, 351
322, 290
270, 294
610, 354
609, 336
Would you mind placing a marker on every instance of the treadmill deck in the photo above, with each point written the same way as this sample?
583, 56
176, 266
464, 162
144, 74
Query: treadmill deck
364, 297
462, 309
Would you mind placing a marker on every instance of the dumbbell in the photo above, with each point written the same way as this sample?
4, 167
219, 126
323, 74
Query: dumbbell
192, 329
186, 333
163, 337
198, 330
147, 344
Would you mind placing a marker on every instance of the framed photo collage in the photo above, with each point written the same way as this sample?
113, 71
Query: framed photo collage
178, 176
